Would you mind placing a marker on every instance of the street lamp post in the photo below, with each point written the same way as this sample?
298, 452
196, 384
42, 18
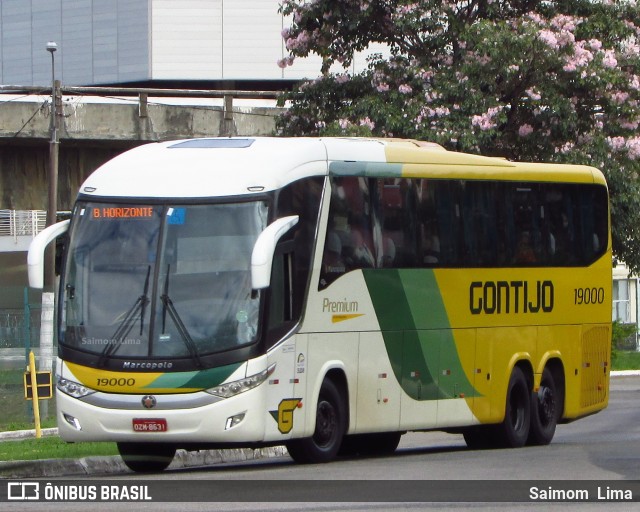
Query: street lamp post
52, 206
47, 314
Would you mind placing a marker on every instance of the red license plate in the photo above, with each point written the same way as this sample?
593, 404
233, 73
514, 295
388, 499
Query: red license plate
149, 425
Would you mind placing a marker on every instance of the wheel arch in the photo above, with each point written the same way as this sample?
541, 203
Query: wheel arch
523, 362
336, 372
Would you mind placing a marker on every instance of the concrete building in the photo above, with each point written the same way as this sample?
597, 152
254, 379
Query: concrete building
626, 300
149, 41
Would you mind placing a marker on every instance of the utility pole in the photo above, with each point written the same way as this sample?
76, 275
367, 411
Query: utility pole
47, 318
52, 174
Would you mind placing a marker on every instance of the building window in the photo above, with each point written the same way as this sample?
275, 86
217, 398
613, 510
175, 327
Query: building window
621, 305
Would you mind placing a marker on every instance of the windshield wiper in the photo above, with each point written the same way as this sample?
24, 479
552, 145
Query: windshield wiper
168, 306
128, 322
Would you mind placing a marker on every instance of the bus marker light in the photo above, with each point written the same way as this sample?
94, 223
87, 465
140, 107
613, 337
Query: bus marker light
232, 421
274, 381
382, 375
294, 381
72, 421
299, 406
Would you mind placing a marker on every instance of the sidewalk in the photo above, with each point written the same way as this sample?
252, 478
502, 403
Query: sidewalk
114, 465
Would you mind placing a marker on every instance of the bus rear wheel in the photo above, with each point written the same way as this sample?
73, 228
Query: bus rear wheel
544, 411
514, 430
331, 425
146, 457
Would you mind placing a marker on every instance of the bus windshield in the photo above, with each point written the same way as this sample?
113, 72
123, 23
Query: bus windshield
161, 281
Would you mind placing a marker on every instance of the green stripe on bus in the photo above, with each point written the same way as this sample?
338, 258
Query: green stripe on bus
368, 169
203, 379
417, 334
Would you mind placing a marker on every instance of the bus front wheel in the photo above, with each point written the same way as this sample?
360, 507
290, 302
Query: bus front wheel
331, 424
514, 430
146, 457
544, 411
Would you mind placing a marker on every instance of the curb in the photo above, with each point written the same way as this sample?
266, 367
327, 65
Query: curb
114, 465
15, 435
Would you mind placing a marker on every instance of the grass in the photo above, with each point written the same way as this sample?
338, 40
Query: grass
17, 413
52, 448
625, 360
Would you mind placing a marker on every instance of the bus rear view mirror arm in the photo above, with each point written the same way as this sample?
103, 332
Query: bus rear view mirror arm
35, 256
264, 248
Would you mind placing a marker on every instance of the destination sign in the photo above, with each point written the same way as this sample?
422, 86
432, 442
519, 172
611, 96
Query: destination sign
122, 212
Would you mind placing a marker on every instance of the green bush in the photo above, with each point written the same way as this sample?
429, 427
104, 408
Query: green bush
623, 336
623, 347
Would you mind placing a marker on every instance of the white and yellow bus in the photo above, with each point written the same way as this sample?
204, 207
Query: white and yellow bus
329, 295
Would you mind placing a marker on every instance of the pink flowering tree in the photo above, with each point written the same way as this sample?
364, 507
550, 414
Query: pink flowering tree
527, 80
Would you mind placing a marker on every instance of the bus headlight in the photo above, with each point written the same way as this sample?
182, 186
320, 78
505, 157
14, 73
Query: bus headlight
73, 389
236, 387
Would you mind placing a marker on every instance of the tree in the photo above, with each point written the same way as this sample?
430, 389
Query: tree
527, 80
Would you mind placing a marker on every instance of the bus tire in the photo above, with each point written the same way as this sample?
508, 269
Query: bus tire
146, 457
331, 425
544, 411
513, 432
383, 443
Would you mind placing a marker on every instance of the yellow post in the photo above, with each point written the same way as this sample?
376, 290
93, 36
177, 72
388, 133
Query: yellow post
34, 393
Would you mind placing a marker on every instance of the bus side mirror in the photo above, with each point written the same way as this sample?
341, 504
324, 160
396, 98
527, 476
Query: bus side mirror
264, 248
35, 256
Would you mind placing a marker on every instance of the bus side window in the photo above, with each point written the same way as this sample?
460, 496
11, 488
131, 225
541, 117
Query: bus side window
332, 261
400, 221
357, 245
280, 305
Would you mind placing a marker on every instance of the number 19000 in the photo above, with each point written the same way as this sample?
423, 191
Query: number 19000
122, 382
588, 295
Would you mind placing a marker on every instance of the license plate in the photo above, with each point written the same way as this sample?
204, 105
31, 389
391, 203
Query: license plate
149, 425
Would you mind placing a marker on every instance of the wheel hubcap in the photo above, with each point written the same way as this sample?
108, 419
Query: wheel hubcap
517, 411
326, 423
546, 405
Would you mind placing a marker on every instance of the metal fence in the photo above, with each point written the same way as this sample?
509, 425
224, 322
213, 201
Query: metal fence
17, 223
20, 328
19, 333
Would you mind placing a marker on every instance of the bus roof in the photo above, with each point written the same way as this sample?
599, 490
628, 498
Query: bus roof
216, 167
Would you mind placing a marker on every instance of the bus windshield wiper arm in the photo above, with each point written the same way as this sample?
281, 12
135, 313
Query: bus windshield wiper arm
144, 300
128, 322
167, 306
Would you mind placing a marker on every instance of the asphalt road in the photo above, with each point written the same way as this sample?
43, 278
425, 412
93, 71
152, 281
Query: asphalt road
601, 450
